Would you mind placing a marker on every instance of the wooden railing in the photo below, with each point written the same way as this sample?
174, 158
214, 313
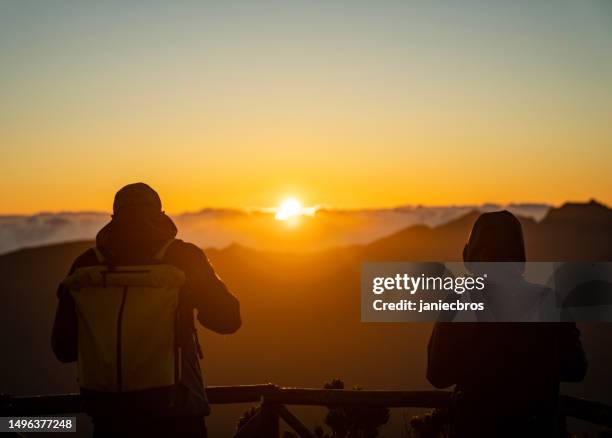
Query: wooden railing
272, 399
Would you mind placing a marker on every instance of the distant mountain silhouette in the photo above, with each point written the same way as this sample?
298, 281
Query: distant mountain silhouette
572, 232
424, 243
591, 212
301, 311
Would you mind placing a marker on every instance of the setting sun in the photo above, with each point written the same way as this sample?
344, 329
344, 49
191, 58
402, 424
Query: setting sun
288, 209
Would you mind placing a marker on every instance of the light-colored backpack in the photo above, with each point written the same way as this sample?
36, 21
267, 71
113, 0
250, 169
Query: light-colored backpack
127, 325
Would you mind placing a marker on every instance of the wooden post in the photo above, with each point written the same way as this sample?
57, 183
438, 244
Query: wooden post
269, 419
562, 421
294, 423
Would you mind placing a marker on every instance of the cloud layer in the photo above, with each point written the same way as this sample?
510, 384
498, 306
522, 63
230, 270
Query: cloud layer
258, 229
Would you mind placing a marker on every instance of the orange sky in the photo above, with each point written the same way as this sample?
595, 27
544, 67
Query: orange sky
349, 105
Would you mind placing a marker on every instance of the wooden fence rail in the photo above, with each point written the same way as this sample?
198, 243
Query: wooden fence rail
70, 403
273, 399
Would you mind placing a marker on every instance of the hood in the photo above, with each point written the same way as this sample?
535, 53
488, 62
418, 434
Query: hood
135, 239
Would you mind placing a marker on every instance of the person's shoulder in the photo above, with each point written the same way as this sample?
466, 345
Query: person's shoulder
540, 289
184, 252
87, 258
180, 246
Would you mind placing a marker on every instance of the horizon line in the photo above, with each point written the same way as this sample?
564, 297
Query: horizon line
271, 210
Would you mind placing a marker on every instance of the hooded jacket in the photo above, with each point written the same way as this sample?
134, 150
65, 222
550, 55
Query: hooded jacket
134, 240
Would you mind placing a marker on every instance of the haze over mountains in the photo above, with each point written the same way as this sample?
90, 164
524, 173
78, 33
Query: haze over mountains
301, 312
257, 229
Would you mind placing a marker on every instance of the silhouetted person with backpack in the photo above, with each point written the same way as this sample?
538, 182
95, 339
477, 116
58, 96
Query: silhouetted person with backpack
126, 314
506, 375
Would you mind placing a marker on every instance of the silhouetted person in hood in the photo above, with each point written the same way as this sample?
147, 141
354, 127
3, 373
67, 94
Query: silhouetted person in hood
139, 229
506, 375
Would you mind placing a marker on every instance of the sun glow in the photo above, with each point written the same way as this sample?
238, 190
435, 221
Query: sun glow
288, 209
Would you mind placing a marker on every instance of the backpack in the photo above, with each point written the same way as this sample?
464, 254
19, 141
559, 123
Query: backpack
127, 325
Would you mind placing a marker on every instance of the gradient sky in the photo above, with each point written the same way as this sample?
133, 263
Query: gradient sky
349, 104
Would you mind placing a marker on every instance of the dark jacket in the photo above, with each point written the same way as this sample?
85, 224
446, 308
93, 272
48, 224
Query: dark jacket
507, 375
133, 241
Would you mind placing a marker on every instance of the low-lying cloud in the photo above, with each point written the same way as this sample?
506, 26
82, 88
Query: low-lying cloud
258, 229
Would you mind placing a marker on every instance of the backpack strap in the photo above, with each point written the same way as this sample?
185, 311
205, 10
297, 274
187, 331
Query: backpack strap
198, 347
196, 340
162, 251
99, 255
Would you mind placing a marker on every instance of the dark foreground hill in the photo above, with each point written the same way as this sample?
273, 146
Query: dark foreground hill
301, 312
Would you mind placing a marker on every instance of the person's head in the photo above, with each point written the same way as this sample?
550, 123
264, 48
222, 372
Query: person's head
138, 228
136, 200
495, 237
